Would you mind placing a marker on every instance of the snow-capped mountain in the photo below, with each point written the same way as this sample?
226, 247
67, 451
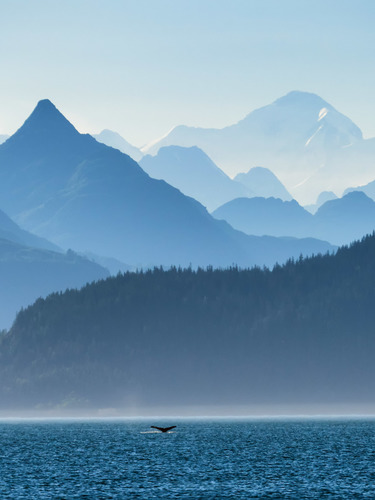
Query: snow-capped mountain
302, 138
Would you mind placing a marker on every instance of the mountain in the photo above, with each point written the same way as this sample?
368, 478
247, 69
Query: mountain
192, 172
351, 165
114, 140
346, 219
3, 138
81, 194
263, 183
368, 189
28, 273
39, 159
300, 334
339, 221
303, 139
321, 199
266, 216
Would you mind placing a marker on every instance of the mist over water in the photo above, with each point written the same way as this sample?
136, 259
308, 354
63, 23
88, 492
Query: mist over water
203, 458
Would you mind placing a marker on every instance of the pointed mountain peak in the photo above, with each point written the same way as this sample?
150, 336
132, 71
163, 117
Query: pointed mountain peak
46, 113
45, 104
46, 121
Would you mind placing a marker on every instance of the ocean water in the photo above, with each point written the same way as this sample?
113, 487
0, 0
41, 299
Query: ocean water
202, 459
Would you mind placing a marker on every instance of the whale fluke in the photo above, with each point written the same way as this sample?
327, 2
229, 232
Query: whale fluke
163, 429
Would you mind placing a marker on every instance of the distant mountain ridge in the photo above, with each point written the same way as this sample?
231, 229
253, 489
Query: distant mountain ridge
300, 137
81, 194
194, 173
266, 216
339, 221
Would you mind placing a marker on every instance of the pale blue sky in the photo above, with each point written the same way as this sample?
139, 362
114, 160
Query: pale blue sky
141, 67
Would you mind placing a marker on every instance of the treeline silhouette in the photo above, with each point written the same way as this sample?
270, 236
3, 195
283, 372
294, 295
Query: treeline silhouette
302, 332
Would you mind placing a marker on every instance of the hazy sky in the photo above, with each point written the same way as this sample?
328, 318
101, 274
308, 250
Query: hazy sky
141, 67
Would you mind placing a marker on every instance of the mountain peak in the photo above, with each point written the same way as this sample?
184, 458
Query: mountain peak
45, 103
264, 183
353, 202
298, 98
46, 120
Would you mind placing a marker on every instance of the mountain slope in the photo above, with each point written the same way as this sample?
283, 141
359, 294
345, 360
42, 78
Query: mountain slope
346, 219
192, 172
3, 138
114, 140
29, 273
9, 230
302, 333
81, 194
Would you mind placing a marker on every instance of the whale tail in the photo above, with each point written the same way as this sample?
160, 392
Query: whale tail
163, 429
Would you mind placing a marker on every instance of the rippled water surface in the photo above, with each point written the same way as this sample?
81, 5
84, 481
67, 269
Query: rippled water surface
203, 459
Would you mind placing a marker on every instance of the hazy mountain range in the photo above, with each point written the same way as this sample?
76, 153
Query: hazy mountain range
192, 172
301, 138
339, 221
81, 194
302, 333
266, 216
3, 138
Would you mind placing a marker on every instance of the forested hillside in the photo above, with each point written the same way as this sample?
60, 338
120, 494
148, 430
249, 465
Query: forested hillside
303, 332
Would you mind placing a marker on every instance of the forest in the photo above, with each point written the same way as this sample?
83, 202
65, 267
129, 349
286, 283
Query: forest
301, 332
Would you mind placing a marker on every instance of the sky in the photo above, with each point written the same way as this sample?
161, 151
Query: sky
141, 67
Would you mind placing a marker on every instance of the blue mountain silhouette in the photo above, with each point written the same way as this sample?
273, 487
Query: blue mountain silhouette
81, 194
